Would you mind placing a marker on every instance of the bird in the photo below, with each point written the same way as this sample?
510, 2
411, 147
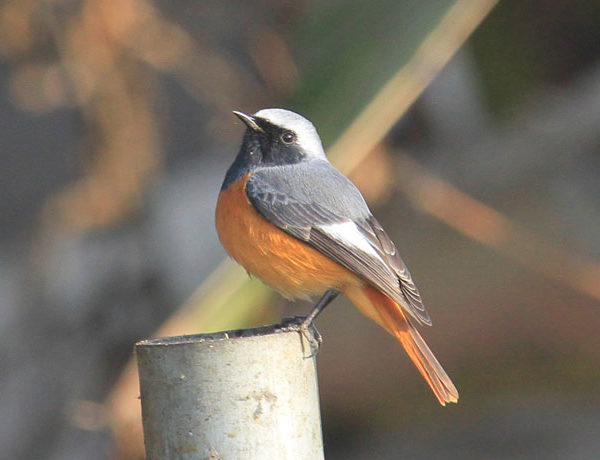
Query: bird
298, 224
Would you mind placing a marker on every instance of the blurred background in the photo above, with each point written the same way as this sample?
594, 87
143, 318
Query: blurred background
473, 134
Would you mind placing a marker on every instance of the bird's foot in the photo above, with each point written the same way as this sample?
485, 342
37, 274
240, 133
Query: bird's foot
308, 332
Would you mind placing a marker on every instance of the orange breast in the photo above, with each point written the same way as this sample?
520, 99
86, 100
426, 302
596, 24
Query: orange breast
278, 259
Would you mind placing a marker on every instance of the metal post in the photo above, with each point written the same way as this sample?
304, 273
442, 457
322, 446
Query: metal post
247, 394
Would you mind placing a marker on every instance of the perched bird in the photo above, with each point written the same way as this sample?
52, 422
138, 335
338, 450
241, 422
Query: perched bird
291, 219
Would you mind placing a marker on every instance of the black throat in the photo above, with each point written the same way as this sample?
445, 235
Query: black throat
262, 150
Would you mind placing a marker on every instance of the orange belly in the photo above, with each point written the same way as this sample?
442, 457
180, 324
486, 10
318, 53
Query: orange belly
278, 259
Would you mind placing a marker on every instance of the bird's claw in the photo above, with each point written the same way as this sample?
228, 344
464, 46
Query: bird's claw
307, 331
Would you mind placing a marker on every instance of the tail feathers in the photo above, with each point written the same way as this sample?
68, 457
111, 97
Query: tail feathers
427, 364
390, 315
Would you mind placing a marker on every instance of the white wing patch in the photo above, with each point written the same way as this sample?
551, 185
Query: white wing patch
348, 233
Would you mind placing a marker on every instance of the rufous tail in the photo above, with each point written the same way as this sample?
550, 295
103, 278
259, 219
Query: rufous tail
390, 315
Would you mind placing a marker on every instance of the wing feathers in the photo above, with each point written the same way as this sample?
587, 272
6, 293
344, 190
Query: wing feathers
343, 230
380, 239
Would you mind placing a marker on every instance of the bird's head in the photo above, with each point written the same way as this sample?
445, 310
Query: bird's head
279, 137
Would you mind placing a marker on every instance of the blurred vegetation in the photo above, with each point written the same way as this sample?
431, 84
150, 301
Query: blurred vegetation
384, 35
146, 89
513, 48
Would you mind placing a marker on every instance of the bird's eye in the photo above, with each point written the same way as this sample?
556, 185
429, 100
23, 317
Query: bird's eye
288, 137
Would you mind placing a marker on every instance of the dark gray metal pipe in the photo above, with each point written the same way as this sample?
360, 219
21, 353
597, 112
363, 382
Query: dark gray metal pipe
247, 394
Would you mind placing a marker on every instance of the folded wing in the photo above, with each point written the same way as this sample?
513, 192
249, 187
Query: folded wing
341, 227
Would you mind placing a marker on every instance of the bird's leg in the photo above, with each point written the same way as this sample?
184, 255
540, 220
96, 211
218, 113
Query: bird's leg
325, 300
305, 325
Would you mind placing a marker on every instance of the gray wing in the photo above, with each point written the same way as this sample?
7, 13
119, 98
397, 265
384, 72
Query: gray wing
318, 205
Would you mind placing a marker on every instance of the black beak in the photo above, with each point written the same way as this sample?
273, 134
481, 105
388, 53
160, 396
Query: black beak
249, 121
